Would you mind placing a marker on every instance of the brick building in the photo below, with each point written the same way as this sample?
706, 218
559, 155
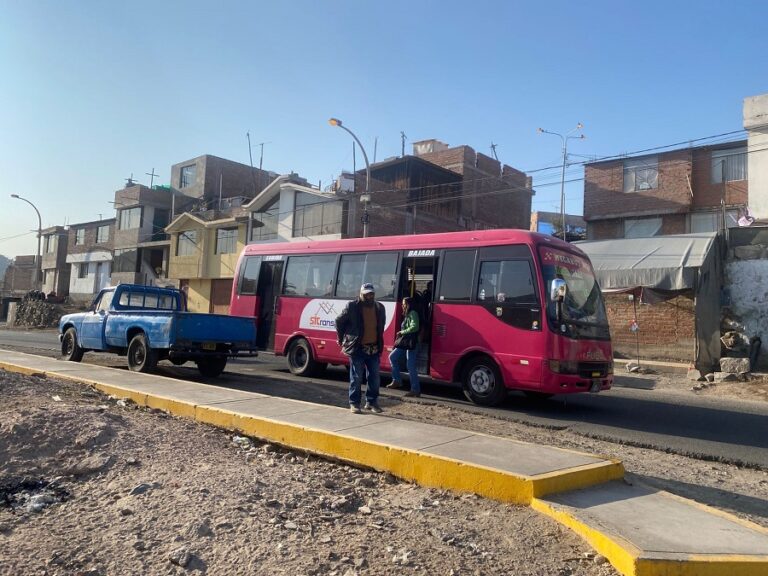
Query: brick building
677, 192
441, 189
55, 272
19, 276
89, 256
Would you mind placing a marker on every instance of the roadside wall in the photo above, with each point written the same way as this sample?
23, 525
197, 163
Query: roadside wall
747, 295
667, 329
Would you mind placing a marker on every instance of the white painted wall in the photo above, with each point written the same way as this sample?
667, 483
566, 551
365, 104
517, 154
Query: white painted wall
747, 281
756, 124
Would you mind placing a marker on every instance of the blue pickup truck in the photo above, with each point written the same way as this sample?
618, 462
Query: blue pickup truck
148, 324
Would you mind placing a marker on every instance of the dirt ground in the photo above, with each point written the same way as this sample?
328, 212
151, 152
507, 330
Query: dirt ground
94, 486
91, 485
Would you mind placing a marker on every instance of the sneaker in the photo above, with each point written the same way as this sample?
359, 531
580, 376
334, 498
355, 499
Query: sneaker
373, 408
410, 394
394, 385
354, 409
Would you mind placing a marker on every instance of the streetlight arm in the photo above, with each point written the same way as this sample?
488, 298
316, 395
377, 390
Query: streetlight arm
39, 220
38, 263
338, 123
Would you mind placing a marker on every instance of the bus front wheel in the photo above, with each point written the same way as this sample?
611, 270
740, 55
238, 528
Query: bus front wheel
301, 361
482, 382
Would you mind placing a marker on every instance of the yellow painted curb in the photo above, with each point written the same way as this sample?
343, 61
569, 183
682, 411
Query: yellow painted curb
21, 369
626, 557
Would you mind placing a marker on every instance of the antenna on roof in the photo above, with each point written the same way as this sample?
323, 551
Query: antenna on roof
403, 138
151, 177
493, 150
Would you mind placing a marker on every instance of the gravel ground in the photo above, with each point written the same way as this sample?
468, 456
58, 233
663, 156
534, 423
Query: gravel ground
94, 486
136, 491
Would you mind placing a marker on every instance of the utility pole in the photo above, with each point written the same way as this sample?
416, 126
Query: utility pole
250, 155
564, 138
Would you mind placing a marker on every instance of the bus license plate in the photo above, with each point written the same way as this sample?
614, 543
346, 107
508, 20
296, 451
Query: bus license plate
596, 385
209, 346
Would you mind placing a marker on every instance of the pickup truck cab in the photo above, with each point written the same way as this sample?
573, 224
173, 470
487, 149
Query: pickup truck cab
148, 324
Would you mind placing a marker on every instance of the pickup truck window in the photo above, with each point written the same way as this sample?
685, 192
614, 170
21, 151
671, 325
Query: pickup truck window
105, 302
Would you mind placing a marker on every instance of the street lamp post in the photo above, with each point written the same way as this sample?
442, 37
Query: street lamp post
38, 261
564, 138
367, 196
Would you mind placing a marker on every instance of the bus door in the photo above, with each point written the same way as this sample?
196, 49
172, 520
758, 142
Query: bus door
268, 291
419, 269
451, 323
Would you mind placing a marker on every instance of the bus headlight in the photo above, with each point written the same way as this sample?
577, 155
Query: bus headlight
564, 366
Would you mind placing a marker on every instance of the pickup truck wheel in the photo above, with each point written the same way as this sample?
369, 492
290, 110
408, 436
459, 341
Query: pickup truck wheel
70, 350
482, 382
213, 366
141, 358
301, 361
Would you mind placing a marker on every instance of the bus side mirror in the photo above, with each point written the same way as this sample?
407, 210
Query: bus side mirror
558, 290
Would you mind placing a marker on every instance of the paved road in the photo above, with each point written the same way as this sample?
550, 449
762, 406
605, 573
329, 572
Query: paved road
707, 427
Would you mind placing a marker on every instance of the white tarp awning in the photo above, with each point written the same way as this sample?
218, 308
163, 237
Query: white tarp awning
660, 262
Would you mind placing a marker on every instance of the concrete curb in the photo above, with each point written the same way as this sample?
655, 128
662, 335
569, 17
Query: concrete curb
412, 465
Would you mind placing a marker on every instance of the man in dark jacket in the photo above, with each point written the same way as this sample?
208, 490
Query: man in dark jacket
360, 333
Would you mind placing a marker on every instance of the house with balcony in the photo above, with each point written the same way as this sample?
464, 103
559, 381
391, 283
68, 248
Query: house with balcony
290, 209
142, 247
89, 257
205, 247
689, 190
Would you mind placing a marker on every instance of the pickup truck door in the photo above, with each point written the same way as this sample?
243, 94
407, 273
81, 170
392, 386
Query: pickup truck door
92, 329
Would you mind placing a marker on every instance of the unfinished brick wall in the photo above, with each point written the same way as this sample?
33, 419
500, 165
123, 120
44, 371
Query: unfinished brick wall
708, 194
604, 195
494, 195
667, 330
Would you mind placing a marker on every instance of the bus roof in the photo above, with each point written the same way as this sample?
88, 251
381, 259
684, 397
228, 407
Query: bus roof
464, 239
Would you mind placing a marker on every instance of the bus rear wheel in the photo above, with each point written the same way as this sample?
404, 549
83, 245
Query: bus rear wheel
301, 361
482, 382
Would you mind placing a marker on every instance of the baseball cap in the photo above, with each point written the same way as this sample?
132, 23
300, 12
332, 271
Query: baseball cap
367, 288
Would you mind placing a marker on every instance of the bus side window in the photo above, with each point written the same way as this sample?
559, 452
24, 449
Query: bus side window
457, 275
506, 282
250, 275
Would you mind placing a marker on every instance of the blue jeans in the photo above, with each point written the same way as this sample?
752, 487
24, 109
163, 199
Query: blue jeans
359, 363
396, 357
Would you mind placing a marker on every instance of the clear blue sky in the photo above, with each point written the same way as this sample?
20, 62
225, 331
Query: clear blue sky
92, 92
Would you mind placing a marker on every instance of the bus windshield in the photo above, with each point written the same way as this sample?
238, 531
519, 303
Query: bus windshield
583, 310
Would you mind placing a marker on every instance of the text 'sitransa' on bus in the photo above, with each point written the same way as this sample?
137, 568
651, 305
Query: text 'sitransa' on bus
509, 309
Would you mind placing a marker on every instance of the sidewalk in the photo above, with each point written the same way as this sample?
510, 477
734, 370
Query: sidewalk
641, 531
